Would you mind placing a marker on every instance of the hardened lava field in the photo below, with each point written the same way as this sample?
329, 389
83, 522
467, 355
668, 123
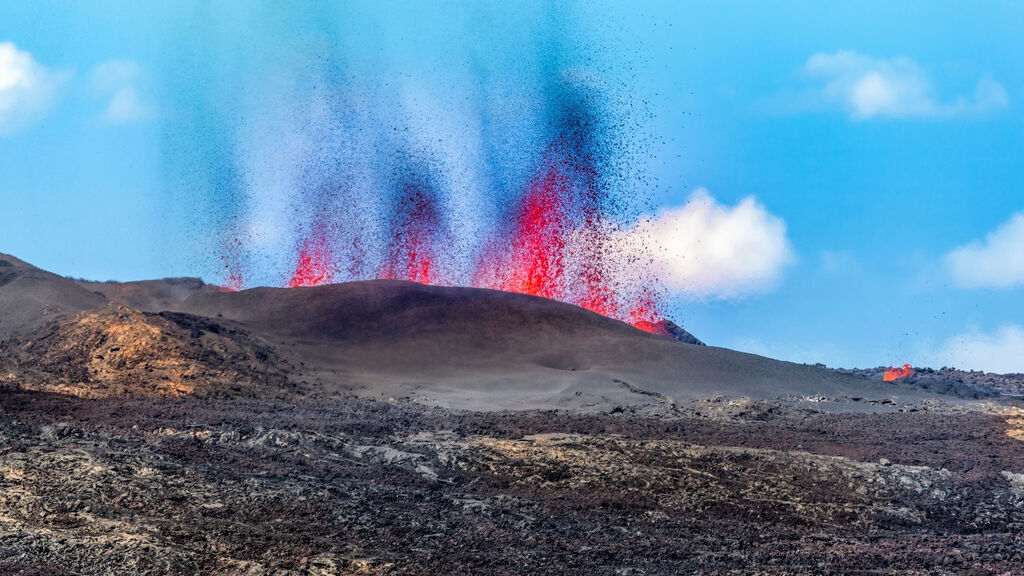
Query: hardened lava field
368, 487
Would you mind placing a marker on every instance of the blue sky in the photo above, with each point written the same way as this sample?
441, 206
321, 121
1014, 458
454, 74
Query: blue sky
878, 144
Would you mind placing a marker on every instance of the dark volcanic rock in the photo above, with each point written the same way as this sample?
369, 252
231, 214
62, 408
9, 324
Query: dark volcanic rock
352, 486
669, 328
960, 383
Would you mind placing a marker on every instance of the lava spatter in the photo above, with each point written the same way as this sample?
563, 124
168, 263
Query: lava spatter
417, 237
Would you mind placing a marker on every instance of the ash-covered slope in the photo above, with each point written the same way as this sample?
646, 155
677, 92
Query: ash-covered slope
483, 349
460, 347
150, 295
391, 310
30, 297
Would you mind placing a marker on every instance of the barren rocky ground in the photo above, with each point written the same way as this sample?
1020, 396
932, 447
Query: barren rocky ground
354, 486
967, 383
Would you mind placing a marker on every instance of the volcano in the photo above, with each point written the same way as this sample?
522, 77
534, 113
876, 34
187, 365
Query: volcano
468, 348
334, 428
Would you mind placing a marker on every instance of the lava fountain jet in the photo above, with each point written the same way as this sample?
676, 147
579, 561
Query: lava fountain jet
557, 233
517, 168
231, 262
561, 210
417, 236
315, 261
529, 260
645, 311
579, 154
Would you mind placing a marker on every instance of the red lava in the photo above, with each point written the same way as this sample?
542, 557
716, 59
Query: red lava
315, 264
554, 242
416, 238
896, 373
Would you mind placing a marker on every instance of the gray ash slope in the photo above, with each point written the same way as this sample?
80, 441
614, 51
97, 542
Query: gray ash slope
150, 295
30, 297
457, 347
482, 349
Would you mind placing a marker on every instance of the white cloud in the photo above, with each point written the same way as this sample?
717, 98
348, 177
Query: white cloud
868, 87
996, 262
119, 83
707, 250
1001, 351
27, 89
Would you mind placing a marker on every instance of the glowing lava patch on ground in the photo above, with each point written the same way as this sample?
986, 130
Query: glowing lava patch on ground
893, 374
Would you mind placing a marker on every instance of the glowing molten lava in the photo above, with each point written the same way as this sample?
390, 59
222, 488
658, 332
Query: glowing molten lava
557, 237
532, 263
315, 264
896, 373
645, 313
